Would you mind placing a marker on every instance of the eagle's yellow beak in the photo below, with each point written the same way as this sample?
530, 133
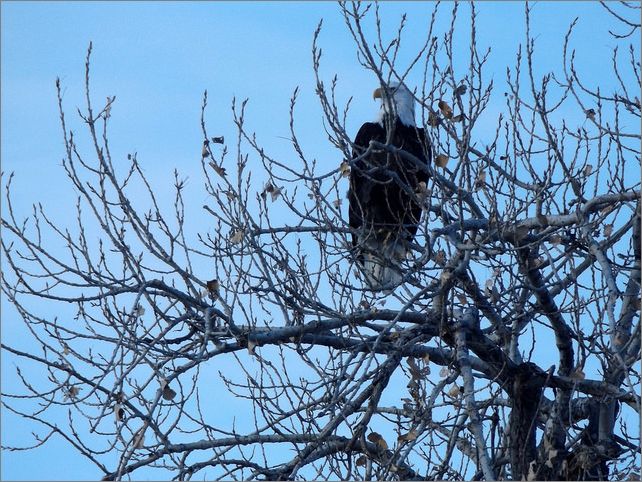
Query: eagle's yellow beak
377, 94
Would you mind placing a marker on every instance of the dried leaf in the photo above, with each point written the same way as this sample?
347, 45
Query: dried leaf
414, 369
140, 310
378, 440
237, 236
168, 393
139, 438
555, 239
462, 298
590, 114
213, 286
219, 170
337, 203
251, 345
588, 169
205, 151
426, 358
445, 109
119, 413
344, 169
65, 349
361, 461
72, 392
273, 191
408, 437
608, 230
276, 193
443, 373
454, 391
441, 160
461, 89
481, 179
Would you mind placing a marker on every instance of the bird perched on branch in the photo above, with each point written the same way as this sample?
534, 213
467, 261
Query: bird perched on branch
385, 187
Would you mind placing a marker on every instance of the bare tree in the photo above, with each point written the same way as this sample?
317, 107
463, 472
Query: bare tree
510, 351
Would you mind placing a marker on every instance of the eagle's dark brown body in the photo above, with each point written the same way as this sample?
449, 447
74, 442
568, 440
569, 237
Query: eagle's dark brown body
383, 199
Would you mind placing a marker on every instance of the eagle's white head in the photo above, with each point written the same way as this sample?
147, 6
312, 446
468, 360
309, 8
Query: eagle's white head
403, 103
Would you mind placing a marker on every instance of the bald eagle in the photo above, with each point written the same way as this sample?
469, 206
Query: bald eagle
384, 208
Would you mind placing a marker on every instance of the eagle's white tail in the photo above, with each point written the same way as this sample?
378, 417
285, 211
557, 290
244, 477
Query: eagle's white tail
381, 263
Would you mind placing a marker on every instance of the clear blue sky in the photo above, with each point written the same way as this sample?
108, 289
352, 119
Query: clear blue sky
158, 58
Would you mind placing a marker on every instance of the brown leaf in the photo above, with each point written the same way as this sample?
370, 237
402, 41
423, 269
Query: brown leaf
219, 170
167, 392
454, 391
139, 437
213, 286
441, 160
481, 179
462, 299
445, 109
588, 169
590, 114
555, 239
408, 437
344, 169
119, 413
608, 230
272, 190
72, 392
251, 345
361, 461
378, 440
461, 89
336, 203
237, 236
443, 373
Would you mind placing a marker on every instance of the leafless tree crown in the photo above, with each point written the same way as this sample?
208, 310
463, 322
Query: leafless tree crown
510, 351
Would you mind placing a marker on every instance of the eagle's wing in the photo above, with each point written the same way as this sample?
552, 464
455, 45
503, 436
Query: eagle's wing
361, 185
